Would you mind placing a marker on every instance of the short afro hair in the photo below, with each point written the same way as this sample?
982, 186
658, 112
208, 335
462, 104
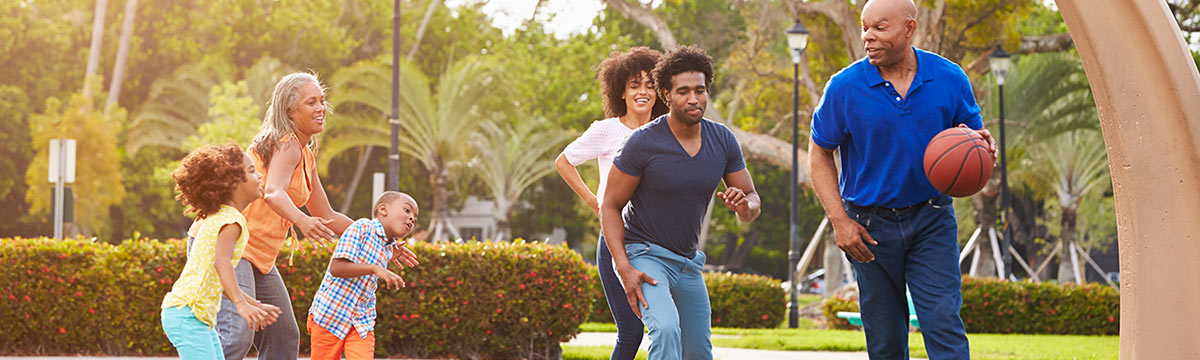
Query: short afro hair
207, 177
682, 60
616, 71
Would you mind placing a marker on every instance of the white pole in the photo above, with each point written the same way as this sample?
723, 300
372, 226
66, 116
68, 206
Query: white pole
966, 250
59, 165
996, 254
1075, 264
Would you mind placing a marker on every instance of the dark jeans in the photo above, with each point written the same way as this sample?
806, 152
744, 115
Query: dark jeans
629, 327
918, 246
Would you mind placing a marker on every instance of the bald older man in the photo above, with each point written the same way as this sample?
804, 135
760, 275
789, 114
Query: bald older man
880, 112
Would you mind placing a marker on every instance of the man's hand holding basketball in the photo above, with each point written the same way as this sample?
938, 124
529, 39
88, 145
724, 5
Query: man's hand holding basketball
850, 237
987, 136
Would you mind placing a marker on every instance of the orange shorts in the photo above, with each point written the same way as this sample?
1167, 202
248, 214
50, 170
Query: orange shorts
327, 346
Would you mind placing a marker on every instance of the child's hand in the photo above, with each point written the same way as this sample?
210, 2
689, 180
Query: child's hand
390, 278
272, 312
256, 317
402, 255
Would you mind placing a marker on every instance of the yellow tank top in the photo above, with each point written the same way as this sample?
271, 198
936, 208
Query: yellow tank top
198, 286
269, 230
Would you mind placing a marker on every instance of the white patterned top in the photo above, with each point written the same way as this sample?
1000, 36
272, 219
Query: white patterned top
602, 141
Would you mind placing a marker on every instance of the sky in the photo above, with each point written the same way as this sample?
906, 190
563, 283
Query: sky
565, 17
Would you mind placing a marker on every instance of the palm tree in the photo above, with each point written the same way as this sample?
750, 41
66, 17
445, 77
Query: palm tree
1049, 95
508, 160
178, 105
433, 129
1069, 166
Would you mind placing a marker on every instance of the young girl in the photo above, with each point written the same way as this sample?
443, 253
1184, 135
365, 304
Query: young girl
630, 101
215, 182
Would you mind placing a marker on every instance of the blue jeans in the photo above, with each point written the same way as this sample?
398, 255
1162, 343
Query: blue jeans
193, 339
918, 246
279, 341
629, 327
678, 312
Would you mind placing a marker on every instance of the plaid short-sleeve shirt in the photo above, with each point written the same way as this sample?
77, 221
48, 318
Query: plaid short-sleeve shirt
344, 303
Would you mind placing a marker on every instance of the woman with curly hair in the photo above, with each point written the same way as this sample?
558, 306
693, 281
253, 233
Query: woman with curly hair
630, 101
216, 183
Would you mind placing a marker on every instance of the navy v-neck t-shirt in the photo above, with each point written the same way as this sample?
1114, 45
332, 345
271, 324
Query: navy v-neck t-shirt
668, 206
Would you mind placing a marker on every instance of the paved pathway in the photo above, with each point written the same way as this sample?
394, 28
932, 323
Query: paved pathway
719, 353
597, 339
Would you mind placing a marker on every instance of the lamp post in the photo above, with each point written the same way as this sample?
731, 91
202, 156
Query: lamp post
797, 39
1000, 61
393, 182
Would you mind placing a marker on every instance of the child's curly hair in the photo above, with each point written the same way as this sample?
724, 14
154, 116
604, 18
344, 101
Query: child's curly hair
616, 71
207, 177
681, 60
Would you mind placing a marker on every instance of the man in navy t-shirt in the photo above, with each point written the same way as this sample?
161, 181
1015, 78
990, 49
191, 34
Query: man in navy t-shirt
667, 173
881, 112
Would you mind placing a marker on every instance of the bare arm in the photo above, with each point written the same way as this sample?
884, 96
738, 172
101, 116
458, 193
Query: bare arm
258, 316
318, 205
344, 268
848, 232
279, 176
619, 189
571, 175
741, 196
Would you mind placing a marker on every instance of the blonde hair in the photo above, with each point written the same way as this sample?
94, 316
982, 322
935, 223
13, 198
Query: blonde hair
276, 123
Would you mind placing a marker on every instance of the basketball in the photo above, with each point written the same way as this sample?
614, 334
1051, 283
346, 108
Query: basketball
957, 162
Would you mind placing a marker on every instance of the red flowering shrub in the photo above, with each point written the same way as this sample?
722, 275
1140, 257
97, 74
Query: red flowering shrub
489, 300
1025, 307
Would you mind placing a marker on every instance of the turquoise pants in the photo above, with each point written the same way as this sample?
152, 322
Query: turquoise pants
192, 338
679, 314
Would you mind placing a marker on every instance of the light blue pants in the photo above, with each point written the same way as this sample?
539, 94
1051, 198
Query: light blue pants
679, 313
193, 339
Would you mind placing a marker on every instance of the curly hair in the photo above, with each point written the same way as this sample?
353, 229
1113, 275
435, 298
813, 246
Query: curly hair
206, 178
681, 60
616, 71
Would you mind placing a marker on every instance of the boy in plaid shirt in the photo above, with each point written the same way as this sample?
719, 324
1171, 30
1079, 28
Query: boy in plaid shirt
342, 316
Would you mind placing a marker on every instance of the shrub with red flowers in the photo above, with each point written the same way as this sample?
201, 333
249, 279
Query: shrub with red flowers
472, 300
737, 300
1024, 307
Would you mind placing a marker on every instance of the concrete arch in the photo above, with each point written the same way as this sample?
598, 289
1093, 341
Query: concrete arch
1147, 91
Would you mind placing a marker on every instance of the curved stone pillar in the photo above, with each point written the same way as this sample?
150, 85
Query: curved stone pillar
1147, 92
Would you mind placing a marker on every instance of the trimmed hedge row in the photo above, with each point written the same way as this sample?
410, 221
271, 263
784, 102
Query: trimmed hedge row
737, 300
1025, 307
491, 300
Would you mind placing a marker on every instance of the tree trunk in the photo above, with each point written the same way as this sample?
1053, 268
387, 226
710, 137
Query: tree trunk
743, 252
93, 64
986, 204
834, 269
1066, 274
118, 74
440, 227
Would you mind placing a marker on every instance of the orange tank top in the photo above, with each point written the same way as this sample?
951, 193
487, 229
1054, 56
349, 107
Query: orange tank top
269, 230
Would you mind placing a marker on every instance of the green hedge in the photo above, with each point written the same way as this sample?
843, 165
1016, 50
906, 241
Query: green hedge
738, 301
1025, 307
491, 300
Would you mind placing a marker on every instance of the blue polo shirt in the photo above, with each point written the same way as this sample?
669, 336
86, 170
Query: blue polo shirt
883, 135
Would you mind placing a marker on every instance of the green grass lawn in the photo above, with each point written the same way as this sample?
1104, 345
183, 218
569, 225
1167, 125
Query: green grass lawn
592, 353
983, 346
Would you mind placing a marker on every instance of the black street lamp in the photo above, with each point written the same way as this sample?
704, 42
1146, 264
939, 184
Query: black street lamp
393, 179
1000, 61
797, 38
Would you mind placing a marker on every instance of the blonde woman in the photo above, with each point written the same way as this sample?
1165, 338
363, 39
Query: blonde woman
283, 150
